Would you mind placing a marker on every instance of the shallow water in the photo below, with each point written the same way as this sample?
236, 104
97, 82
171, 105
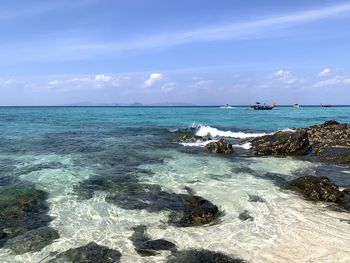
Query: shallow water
58, 149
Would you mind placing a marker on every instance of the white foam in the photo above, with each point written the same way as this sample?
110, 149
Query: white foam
214, 132
246, 145
197, 143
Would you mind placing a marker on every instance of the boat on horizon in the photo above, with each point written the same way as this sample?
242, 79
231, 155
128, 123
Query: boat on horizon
326, 105
264, 106
226, 106
296, 105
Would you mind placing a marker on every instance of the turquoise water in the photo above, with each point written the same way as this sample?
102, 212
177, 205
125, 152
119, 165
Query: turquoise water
59, 149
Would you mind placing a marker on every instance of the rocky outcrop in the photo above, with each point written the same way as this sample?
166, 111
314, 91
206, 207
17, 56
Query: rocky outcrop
316, 188
193, 138
23, 213
282, 143
201, 256
221, 146
145, 246
33, 240
329, 142
89, 253
321, 189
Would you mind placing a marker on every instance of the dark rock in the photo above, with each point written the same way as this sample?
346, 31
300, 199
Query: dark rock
245, 216
316, 188
193, 138
221, 146
90, 253
201, 256
22, 208
336, 155
282, 143
255, 199
33, 240
185, 210
344, 199
145, 246
330, 123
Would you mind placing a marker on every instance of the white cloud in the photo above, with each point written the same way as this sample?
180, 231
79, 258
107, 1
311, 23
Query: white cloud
103, 78
168, 87
285, 76
201, 84
9, 82
324, 72
336, 81
53, 82
153, 79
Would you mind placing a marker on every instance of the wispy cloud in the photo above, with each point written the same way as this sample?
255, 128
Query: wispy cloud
336, 81
324, 72
83, 48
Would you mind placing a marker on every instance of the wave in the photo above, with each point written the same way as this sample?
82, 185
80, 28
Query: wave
214, 132
197, 143
245, 146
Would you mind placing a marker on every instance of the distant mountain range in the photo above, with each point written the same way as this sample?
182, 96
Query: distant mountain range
135, 104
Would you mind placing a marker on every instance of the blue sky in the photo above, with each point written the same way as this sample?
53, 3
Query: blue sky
199, 51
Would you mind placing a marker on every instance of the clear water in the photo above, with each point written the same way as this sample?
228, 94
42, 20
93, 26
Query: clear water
57, 148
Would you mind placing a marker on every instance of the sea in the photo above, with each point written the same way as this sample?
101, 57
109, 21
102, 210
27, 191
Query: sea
74, 155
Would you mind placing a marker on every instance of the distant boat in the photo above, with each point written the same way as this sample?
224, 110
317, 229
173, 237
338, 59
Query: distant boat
227, 106
264, 106
326, 105
296, 105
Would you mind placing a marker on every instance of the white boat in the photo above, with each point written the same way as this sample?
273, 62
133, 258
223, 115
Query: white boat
296, 105
227, 106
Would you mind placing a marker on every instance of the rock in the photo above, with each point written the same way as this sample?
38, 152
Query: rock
185, 209
282, 143
199, 211
316, 188
344, 199
255, 199
193, 138
33, 240
245, 216
201, 256
329, 142
90, 253
330, 123
221, 146
22, 209
145, 246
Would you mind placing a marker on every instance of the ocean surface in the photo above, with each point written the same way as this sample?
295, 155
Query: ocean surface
72, 152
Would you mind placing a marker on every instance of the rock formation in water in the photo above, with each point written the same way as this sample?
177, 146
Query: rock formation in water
321, 189
329, 142
23, 217
145, 246
90, 253
221, 146
201, 256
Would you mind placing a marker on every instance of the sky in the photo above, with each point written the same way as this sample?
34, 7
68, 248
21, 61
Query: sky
203, 52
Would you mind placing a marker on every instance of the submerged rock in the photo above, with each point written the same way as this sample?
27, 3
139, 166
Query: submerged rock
33, 240
316, 188
185, 209
201, 256
22, 209
221, 146
255, 199
90, 253
282, 143
145, 246
193, 138
244, 216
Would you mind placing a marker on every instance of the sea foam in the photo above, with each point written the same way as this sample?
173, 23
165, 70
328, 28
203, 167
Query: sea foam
214, 132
